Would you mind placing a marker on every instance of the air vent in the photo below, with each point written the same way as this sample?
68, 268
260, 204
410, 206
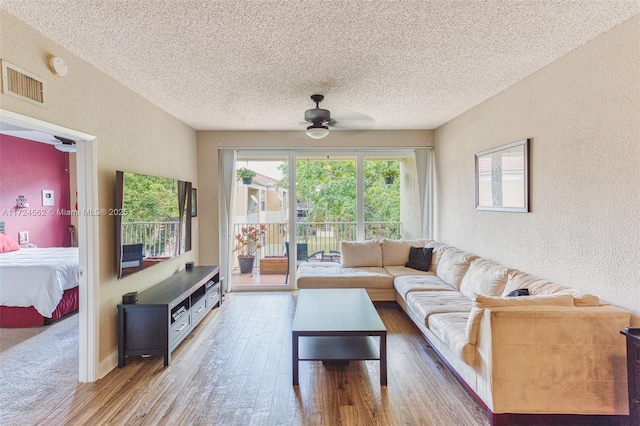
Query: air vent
21, 84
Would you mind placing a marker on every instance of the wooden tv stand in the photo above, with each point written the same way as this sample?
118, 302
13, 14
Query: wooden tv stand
167, 312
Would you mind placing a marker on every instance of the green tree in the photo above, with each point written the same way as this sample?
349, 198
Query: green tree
149, 199
328, 189
381, 200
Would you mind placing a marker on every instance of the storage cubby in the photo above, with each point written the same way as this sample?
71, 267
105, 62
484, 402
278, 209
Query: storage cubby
166, 313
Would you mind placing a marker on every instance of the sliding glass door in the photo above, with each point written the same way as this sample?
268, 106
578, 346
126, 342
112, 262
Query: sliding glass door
300, 205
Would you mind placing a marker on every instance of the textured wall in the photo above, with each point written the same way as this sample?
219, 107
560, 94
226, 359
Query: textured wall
132, 135
582, 114
26, 168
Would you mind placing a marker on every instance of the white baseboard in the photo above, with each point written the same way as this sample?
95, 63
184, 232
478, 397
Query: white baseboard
108, 364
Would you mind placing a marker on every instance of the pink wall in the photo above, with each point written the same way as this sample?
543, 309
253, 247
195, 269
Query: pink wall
26, 168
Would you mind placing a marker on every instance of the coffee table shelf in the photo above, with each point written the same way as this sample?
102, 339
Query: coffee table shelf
337, 348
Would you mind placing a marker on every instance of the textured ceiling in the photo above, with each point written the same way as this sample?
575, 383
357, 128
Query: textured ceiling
252, 65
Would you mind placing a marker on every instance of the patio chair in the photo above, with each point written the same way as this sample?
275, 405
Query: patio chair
132, 255
301, 257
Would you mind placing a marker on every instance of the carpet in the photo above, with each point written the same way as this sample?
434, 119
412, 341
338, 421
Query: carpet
38, 369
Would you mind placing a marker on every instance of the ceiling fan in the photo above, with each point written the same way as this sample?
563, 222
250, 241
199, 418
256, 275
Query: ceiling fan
67, 145
319, 118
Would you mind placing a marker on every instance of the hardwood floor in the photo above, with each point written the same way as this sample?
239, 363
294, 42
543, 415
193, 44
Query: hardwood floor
235, 369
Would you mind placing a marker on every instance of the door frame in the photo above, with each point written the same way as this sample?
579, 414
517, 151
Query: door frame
88, 237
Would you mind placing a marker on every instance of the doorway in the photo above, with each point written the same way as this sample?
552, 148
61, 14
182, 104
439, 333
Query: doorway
87, 184
260, 225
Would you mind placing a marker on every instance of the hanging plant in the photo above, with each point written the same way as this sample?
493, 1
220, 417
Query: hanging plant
246, 175
389, 174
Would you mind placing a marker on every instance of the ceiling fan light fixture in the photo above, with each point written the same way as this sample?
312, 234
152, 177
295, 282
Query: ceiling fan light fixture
65, 147
317, 131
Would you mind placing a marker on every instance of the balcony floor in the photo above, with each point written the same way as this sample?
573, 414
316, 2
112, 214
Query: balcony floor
256, 278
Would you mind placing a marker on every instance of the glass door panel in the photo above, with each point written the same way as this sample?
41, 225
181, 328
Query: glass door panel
390, 197
261, 218
326, 205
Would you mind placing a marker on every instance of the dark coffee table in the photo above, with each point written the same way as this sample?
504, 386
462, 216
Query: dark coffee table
337, 325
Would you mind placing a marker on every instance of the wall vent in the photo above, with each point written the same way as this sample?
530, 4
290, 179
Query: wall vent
21, 84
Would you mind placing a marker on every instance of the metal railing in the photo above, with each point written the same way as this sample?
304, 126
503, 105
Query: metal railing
319, 235
160, 239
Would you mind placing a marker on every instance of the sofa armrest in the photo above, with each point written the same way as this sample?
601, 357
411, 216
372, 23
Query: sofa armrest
553, 359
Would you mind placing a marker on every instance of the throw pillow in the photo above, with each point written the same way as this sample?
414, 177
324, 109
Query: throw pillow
420, 258
7, 244
519, 292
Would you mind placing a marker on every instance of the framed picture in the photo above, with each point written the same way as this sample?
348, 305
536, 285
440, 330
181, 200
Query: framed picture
47, 197
502, 178
194, 202
23, 237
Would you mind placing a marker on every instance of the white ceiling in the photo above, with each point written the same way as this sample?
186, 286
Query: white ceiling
252, 65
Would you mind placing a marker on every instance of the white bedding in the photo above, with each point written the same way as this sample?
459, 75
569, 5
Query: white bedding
37, 277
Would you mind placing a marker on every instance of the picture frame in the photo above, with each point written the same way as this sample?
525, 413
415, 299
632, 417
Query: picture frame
48, 197
194, 202
23, 237
502, 178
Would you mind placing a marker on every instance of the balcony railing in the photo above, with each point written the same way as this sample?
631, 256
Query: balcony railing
319, 235
160, 239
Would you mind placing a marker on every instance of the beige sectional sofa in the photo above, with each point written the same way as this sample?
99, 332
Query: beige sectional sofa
371, 265
556, 351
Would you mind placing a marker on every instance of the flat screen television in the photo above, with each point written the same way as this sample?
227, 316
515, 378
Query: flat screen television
153, 221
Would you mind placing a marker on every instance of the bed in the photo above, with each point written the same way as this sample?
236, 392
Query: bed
38, 285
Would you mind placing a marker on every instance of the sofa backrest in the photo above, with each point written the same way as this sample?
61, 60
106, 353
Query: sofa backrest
396, 252
452, 266
537, 286
438, 249
357, 254
485, 278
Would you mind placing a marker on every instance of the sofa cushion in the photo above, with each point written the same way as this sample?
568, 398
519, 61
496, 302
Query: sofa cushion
538, 286
311, 276
396, 252
450, 328
426, 303
356, 254
484, 277
453, 265
407, 283
420, 258
316, 264
399, 271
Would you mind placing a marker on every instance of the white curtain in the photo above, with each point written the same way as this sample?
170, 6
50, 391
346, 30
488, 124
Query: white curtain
425, 164
227, 179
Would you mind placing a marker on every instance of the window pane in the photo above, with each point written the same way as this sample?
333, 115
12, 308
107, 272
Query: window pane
326, 202
382, 198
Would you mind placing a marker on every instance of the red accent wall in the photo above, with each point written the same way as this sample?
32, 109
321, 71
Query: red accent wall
26, 168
